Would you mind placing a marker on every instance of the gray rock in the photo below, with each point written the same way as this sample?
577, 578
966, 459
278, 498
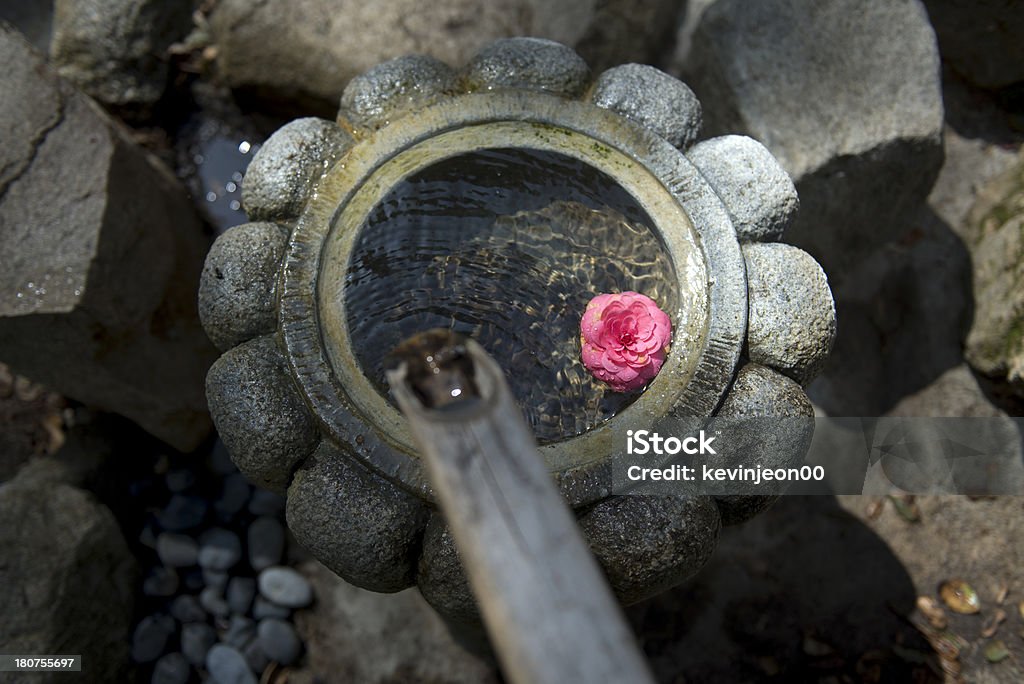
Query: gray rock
792, 318
262, 608
115, 49
171, 669
653, 99
532, 63
241, 591
758, 193
237, 293
176, 550
149, 641
285, 587
395, 87
356, 523
995, 344
227, 666
160, 582
218, 579
182, 512
259, 414
186, 609
196, 640
647, 544
240, 632
74, 576
302, 52
82, 278
233, 497
442, 579
219, 549
266, 542
845, 94
279, 641
279, 176
782, 441
212, 601
980, 40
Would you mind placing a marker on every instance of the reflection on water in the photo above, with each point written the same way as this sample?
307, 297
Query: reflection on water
506, 246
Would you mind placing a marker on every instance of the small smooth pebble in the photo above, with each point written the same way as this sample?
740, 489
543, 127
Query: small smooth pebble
279, 641
219, 549
218, 579
171, 669
161, 582
233, 497
285, 587
196, 640
265, 502
262, 608
186, 608
150, 637
148, 537
241, 630
179, 480
228, 666
182, 513
266, 542
177, 550
212, 601
241, 591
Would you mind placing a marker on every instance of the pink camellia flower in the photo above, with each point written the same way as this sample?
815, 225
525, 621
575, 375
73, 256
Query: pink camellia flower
624, 338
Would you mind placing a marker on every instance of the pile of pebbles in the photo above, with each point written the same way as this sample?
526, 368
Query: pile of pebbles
218, 595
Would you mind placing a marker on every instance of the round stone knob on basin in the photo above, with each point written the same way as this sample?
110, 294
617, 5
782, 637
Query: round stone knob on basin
496, 200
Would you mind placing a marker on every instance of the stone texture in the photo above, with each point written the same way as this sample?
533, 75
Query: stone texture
651, 98
238, 289
306, 51
757, 393
73, 576
758, 193
995, 235
285, 587
116, 50
845, 93
792, 318
279, 176
647, 544
981, 39
102, 253
259, 415
441, 578
356, 523
226, 664
395, 87
355, 635
533, 63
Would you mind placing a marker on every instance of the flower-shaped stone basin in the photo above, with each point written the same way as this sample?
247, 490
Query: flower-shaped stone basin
296, 395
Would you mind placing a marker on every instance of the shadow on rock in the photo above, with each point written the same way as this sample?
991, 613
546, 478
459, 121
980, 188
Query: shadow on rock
803, 592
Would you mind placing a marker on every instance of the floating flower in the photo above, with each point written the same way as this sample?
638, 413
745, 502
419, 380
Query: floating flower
624, 338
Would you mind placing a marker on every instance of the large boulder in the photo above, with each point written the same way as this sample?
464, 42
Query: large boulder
305, 51
102, 255
995, 236
845, 94
69, 578
116, 50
